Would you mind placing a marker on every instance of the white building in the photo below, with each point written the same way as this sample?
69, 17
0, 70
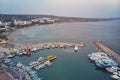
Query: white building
22, 23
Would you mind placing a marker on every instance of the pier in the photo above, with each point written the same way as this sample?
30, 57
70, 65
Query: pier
113, 55
40, 46
50, 45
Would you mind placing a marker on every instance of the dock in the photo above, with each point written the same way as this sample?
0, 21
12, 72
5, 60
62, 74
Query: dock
41, 46
113, 55
50, 45
38, 63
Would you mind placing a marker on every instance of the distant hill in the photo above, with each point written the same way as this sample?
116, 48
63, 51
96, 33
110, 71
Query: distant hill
9, 17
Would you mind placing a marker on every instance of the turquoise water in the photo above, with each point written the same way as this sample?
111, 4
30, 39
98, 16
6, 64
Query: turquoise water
70, 65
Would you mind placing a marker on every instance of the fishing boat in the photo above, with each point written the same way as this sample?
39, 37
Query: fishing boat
28, 52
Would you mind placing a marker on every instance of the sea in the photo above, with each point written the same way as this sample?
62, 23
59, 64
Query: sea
70, 65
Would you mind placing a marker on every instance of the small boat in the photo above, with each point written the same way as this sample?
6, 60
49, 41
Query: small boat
75, 48
115, 76
34, 49
112, 69
10, 55
48, 63
7, 60
20, 54
51, 58
19, 64
28, 52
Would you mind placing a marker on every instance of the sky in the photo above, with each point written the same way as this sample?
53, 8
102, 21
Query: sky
70, 8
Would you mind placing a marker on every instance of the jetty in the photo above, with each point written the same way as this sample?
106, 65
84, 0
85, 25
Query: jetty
113, 55
50, 45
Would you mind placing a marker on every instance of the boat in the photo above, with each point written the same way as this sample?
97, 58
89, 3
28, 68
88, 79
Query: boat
105, 63
6, 60
32, 63
34, 49
39, 66
20, 54
10, 55
75, 48
51, 58
28, 52
48, 63
102, 60
19, 64
40, 58
115, 76
112, 69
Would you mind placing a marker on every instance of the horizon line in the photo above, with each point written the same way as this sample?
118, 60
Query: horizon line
53, 15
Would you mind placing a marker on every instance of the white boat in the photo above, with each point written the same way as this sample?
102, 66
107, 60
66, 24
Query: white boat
10, 55
112, 69
32, 63
115, 76
19, 64
34, 49
48, 63
75, 48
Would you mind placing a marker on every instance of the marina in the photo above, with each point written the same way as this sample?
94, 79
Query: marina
74, 65
20, 71
59, 40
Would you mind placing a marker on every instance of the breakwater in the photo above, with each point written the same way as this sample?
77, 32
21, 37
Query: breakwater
113, 55
51, 45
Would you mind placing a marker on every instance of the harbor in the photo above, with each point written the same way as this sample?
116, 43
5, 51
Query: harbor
74, 65
113, 55
30, 72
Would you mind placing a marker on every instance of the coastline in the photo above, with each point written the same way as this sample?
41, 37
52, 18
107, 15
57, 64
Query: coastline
20, 29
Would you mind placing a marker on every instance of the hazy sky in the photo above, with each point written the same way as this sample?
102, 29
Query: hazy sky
74, 8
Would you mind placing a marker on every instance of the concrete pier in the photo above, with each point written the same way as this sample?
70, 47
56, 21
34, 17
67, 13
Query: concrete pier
113, 55
50, 45
41, 46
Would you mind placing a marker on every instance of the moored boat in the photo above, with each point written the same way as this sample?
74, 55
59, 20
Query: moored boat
112, 69
75, 48
115, 76
51, 58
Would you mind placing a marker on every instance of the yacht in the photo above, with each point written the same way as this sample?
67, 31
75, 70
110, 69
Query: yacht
115, 76
112, 69
75, 48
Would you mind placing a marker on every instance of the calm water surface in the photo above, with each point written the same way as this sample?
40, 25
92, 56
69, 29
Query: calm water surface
70, 65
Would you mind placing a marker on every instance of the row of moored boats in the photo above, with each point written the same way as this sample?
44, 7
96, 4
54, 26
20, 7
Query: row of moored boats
103, 61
